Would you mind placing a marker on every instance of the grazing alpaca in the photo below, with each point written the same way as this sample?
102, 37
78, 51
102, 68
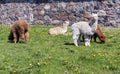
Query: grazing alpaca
99, 34
19, 29
59, 30
84, 28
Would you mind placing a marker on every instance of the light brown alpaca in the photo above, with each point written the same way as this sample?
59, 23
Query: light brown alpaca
99, 34
59, 30
19, 30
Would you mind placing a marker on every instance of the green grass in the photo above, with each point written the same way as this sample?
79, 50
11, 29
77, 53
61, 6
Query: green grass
50, 54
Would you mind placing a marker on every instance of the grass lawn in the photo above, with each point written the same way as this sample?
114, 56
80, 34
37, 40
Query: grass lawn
50, 54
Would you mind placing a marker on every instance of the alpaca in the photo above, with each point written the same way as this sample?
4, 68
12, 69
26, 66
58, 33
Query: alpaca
99, 34
84, 28
59, 30
19, 29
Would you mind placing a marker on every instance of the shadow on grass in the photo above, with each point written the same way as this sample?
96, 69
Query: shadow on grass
68, 43
100, 42
10, 41
17, 42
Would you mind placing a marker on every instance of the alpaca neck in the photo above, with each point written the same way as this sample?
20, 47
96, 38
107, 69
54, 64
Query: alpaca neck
65, 27
94, 26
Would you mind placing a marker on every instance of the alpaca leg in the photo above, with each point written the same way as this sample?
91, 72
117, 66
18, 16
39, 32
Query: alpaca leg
87, 40
92, 38
82, 38
95, 36
10, 37
76, 40
76, 37
22, 37
14, 37
27, 36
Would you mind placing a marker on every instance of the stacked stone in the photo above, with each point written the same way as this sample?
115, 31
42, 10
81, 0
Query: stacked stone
55, 12
11, 12
110, 13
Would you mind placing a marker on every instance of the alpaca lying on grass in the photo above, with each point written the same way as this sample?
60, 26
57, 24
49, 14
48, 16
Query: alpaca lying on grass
59, 30
99, 34
19, 29
84, 28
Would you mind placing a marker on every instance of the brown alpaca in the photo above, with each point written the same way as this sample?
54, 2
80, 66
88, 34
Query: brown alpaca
19, 30
99, 34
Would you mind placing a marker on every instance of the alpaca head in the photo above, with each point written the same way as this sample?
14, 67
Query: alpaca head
66, 23
102, 39
93, 19
100, 35
95, 16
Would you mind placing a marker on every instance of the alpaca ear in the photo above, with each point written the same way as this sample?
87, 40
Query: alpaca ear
92, 21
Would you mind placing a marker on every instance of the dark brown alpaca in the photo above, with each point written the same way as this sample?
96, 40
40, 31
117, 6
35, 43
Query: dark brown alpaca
19, 30
99, 34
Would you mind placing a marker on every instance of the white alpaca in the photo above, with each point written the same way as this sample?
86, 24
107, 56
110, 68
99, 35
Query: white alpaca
59, 30
84, 28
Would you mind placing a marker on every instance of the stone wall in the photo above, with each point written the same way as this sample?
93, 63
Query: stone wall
56, 11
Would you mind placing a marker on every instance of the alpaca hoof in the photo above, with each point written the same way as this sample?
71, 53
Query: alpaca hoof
76, 45
87, 44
